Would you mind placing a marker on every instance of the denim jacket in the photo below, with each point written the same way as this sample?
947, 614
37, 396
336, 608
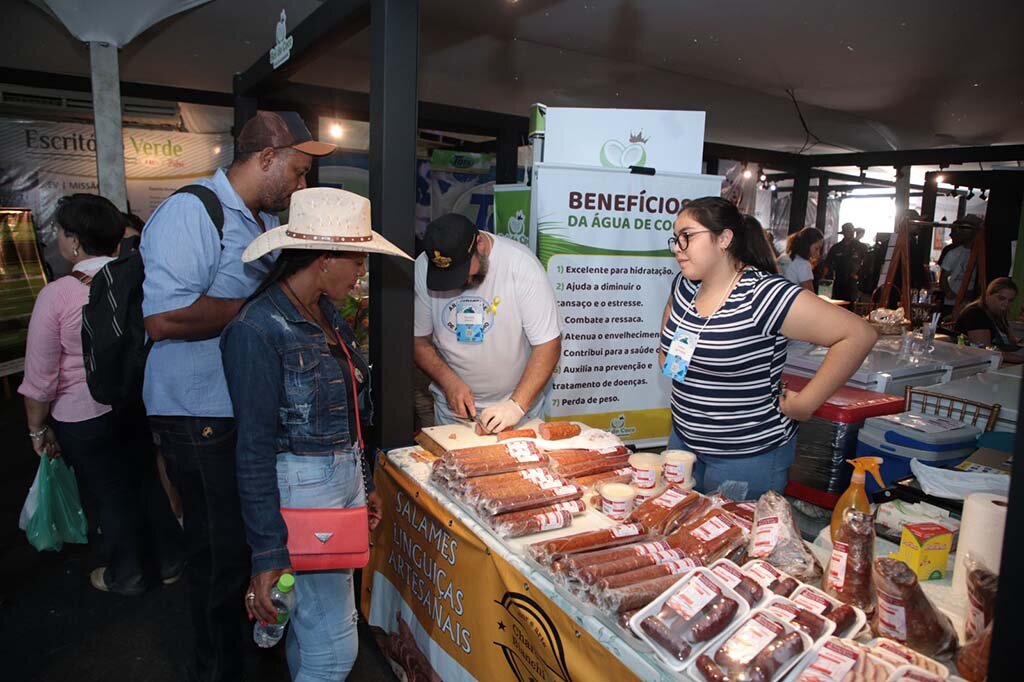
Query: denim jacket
289, 395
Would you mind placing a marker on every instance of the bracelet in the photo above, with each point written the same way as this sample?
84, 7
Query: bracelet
38, 434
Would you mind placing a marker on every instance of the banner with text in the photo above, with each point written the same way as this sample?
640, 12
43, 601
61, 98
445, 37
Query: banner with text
443, 607
41, 161
603, 238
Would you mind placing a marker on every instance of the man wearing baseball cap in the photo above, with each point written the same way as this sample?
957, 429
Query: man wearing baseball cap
195, 284
486, 326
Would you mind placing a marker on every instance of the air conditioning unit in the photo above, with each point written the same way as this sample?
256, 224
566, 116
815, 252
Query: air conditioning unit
24, 101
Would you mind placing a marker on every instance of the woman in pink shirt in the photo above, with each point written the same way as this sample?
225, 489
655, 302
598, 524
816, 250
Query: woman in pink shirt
113, 464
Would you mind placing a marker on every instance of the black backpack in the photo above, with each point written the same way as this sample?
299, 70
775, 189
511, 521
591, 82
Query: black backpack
114, 343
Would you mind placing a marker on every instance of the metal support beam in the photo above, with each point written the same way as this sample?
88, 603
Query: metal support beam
245, 108
902, 190
507, 170
331, 23
393, 74
921, 157
798, 205
58, 81
961, 206
712, 166
822, 215
763, 157
106, 106
871, 182
928, 200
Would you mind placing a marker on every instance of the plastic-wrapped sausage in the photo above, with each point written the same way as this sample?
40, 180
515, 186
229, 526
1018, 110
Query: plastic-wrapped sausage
814, 625
579, 562
597, 466
696, 612
770, 578
538, 523
635, 597
708, 537
756, 651
982, 585
906, 615
844, 617
574, 507
567, 457
558, 430
592, 572
620, 475
516, 433
659, 512
553, 550
972, 659
528, 499
848, 577
731, 576
671, 567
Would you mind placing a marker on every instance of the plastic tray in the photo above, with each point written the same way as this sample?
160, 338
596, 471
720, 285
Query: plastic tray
861, 617
941, 670
911, 673
810, 658
655, 606
765, 595
773, 606
759, 566
724, 639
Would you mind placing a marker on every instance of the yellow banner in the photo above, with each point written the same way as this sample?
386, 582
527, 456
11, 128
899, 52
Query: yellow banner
629, 425
443, 607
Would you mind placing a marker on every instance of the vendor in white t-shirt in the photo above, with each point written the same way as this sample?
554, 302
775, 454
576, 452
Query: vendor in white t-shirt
486, 325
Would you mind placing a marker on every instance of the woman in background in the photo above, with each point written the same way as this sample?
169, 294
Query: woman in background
984, 321
112, 463
804, 250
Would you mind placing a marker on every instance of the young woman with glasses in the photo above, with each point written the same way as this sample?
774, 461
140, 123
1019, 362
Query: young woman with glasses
724, 334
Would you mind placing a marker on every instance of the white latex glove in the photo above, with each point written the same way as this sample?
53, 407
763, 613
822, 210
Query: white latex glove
502, 416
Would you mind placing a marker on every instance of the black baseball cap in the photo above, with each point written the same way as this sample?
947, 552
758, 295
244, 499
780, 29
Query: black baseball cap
277, 130
449, 243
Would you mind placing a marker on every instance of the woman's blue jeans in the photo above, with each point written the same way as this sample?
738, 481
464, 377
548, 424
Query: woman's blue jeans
323, 639
741, 478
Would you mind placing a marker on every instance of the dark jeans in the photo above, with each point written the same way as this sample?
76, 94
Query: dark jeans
200, 454
115, 464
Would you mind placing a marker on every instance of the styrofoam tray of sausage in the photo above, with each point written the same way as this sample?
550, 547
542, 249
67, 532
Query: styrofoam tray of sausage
770, 578
900, 654
833, 659
911, 673
728, 572
691, 595
749, 638
790, 612
814, 600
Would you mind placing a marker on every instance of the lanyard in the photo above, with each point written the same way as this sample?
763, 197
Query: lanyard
691, 305
348, 357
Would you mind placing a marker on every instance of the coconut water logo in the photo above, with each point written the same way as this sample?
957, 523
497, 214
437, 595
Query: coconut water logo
282, 50
516, 226
615, 154
617, 426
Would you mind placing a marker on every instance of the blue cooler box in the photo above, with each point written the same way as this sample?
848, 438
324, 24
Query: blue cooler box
899, 438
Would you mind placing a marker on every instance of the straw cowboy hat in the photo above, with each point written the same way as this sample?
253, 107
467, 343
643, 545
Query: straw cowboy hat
324, 218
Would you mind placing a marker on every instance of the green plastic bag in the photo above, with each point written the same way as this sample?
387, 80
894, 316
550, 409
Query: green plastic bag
58, 517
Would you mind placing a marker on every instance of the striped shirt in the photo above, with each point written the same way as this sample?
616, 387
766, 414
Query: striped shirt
728, 402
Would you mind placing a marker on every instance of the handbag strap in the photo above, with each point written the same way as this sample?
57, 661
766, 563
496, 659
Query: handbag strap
355, 386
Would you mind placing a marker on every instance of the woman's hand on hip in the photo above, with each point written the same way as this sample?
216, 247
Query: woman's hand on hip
374, 505
792, 406
260, 606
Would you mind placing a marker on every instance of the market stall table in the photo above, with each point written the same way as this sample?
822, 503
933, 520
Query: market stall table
451, 600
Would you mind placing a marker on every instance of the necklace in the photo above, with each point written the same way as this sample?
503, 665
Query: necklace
691, 305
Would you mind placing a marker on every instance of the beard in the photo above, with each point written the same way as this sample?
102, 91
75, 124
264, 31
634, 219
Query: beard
476, 280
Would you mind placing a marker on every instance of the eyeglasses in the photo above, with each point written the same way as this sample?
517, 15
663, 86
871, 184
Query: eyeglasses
682, 240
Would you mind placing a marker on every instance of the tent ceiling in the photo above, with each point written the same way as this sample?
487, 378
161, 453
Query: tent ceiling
870, 76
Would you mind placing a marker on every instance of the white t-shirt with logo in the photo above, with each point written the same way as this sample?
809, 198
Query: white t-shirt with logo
518, 311
955, 264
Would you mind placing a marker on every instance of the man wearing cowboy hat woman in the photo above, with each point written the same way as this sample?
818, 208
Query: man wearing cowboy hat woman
486, 325
195, 283
300, 391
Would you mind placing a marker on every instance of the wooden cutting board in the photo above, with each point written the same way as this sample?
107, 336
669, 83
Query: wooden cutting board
439, 439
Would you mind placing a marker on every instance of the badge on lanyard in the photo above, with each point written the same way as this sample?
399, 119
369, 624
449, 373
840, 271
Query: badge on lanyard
469, 323
680, 352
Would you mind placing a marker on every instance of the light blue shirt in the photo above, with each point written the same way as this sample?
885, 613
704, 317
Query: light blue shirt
184, 260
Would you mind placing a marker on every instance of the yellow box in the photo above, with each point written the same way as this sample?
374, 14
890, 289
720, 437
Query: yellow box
924, 547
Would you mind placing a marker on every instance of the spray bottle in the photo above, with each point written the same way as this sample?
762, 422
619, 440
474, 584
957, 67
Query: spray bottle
855, 497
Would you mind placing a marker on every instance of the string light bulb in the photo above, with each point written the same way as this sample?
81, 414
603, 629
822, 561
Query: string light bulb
336, 131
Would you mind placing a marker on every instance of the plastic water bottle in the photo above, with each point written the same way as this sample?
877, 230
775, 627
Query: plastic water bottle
283, 598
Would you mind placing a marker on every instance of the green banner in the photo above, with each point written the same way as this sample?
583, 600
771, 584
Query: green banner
512, 214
